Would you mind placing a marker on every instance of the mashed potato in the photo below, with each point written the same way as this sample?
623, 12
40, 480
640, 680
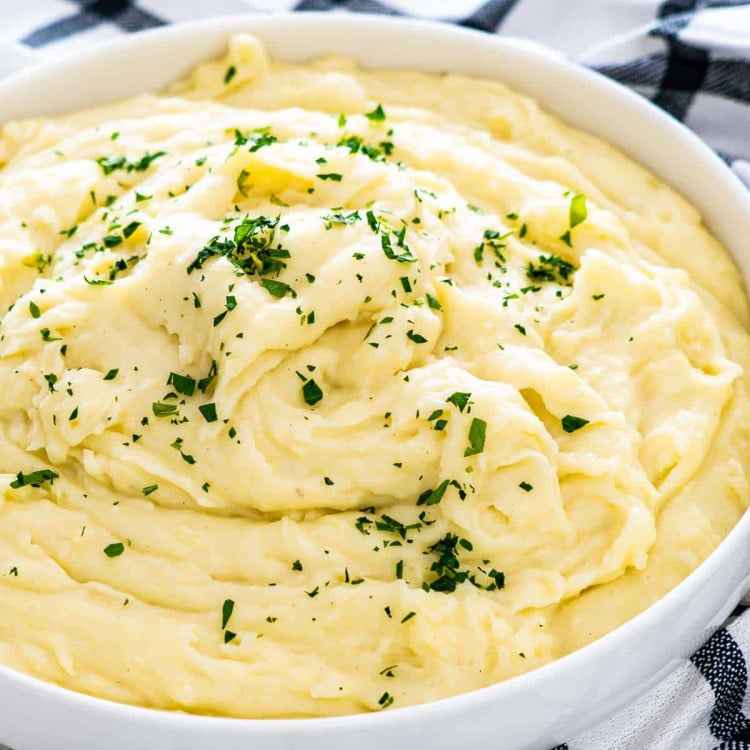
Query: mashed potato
324, 391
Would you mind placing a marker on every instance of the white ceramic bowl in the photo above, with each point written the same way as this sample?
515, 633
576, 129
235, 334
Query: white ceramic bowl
535, 710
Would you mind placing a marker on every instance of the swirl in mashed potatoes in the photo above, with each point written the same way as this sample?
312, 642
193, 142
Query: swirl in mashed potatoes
324, 390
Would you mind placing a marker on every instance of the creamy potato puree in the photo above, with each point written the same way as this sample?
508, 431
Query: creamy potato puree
326, 391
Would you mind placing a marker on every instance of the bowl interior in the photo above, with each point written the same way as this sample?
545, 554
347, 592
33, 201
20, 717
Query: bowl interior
148, 62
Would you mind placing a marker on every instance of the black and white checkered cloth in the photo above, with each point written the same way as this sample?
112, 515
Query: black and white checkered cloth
691, 57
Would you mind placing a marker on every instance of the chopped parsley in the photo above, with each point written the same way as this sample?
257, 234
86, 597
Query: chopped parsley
417, 338
150, 489
551, 268
460, 400
385, 700
277, 288
226, 612
163, 410
577, 214
114, 550
230, 74
571, 423
251, 249
33, 478
377, 114
111, 163
183, 384
257, 139
338, 217
433, 302
433, 497
311, 392
477, 432
209, 412
46, 335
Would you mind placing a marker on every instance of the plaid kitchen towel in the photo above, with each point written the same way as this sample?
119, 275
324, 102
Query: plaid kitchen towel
691, 57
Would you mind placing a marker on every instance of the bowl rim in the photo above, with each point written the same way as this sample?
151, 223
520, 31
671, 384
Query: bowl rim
628, 632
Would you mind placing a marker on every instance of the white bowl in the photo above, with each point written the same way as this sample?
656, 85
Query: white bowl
535, 710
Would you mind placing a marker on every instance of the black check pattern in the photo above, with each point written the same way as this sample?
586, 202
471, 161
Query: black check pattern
687, 78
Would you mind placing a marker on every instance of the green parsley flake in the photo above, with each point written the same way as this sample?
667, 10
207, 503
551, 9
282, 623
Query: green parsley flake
277, 288
114, 550
151, 488
571, 423
377, 114
33, 478
183, 384
209, 412
578, 212
459, 399
477, 433
385, 700
163, 410
311, 392
226, 612
111, 163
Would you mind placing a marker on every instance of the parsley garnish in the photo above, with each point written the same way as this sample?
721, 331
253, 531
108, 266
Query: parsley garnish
377, 114
385, 700
209, 412
111, 374
577, 214
45, 334
335, 176
459, 399
231, 73
110, 163
183, 384
551, 268
163, 410
226, 612
433, 497
477, 432
339, 217
33, 478
277, 288
256, 138
114, 550
311, 392
151, 488
571, 423
34, 310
